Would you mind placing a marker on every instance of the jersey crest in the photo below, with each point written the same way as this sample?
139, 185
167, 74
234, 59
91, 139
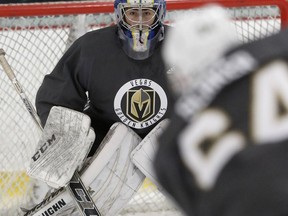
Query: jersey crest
140, 103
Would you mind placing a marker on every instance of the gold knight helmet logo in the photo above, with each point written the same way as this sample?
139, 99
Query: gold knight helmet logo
141, 104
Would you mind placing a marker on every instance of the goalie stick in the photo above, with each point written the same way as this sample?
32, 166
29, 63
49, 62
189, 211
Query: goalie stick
79, 193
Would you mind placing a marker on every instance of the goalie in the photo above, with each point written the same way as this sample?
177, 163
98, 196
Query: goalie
225, 151
107, 93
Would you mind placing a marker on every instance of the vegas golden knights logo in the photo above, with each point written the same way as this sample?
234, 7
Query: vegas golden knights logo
140, 104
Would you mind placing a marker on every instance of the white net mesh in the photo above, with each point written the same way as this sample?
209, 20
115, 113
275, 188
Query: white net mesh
33, 45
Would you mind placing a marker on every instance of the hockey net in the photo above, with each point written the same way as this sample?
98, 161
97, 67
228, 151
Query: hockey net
35, 36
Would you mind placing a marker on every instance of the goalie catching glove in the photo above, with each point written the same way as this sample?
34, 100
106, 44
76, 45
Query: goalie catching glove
63, 146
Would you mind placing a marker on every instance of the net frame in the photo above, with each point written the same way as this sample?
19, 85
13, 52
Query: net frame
84, 7
15, 183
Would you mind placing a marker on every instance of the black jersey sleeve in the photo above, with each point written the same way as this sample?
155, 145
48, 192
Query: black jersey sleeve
63, 86
225, 150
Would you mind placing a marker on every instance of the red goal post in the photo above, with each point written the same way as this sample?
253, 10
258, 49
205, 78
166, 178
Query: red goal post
34, 9
84, 7
34, 37
97, 7
106, 7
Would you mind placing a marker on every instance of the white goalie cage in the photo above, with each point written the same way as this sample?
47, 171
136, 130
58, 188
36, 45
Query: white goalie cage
35, 36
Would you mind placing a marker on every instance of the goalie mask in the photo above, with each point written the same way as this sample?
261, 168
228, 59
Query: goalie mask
140, 25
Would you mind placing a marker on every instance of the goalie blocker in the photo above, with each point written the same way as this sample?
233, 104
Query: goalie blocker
64, 144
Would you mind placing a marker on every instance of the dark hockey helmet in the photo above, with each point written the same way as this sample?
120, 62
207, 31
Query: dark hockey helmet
140, 25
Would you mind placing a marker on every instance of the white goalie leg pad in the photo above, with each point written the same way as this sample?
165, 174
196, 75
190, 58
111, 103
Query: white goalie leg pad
143, 155
110, 175
65, 142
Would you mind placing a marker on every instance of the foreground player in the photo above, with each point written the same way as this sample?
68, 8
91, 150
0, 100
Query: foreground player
225, 151
116, 76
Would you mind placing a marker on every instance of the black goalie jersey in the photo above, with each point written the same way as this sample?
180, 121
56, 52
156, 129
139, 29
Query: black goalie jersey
225, 152
119, 88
